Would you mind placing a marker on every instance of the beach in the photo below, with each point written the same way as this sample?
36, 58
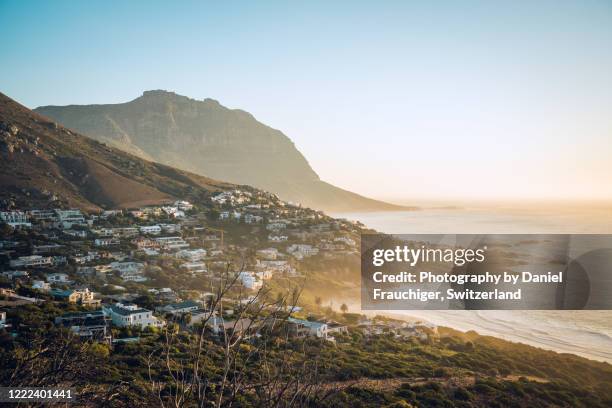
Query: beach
584, 333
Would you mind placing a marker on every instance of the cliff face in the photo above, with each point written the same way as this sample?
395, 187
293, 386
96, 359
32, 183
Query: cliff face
207, 138
45, 164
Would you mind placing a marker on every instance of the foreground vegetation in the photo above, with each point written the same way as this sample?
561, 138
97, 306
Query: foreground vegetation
451, 370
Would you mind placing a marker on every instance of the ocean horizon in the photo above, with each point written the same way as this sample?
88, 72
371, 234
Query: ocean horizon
584, 333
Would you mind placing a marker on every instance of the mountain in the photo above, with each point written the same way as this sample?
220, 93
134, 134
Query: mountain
207, 138
43, 163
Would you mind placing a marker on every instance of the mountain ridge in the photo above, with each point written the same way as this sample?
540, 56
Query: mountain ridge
45, 164
207, 138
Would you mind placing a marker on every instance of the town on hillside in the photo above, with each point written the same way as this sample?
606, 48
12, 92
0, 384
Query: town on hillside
121, 274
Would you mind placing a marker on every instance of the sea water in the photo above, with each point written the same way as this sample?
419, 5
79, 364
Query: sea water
585, 333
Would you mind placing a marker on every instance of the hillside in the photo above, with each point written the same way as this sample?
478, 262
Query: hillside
207, 138
44, 163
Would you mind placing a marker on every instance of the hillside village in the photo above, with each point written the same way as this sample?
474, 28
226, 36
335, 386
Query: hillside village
131, 271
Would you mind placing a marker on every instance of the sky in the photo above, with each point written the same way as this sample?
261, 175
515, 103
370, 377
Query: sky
401, 100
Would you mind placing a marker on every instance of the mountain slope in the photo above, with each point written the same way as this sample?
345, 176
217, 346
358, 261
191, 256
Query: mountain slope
43, 163
207, 138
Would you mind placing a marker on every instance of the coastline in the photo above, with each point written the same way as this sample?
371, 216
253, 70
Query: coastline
584, 333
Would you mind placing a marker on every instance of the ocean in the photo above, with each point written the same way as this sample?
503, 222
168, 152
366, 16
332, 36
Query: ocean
584, 333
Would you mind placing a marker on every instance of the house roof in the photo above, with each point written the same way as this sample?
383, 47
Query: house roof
182, 305
126, 312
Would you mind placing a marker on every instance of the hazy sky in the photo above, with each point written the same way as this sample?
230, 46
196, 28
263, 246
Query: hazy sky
398, 100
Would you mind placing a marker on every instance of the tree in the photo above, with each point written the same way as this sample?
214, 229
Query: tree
250, 356
318, 301
344, 308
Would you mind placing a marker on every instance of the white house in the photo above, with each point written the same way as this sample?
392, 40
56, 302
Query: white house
103, 242
57, 278
15, 218
316, 329
186, 306
183, 205
32, 261
267, 253
277, 238
126, 266
195, 267
191, 254
302, 250
41, 285
68, 218
264, 275
172, 243
276, 225
131, 315
249, 280
170, 228
151, 229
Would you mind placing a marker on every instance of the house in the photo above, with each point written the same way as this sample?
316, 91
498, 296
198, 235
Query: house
68, 218
241, 327
300, 251
32, 261
174, 243
249, 280
335, 327
81, 259
57, 278
183, 205
126, 266
170, 228
277, 266
191, 254
145, 243
2, 320
224, 215
111, 213
133, 276
277, 238
178, 214
15, 274
164, 295
151, 229
104, 232
15, 219
195, 267
180, 308
138, 214
313, 328
131, 315
41, 285
129, 271
43, 215
276, 225
76, 233
264, 275
89, 326
45, 249
252, 219
125, 232
346, 240
268, 253
83, 297
103, 242
200, 315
